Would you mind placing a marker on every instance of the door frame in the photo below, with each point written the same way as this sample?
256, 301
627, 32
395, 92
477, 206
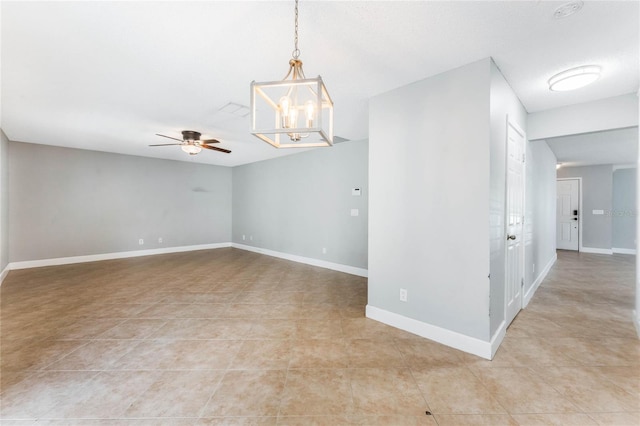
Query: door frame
518, 129
579, 179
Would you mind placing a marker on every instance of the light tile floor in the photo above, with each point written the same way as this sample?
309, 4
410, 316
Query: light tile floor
232, 337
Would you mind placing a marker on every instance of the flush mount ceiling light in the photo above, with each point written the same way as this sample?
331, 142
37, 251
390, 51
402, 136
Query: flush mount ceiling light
568, 9
558, 166
574, 78
295, 112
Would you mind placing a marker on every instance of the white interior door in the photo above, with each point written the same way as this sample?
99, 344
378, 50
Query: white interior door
514, 221
567, 229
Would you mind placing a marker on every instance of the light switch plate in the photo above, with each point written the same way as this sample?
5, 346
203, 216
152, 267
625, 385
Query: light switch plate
355, 212
598, 212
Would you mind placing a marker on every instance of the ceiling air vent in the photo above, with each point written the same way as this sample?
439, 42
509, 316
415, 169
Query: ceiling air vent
568, 9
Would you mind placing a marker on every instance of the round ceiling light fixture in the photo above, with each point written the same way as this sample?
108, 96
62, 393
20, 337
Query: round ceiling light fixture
191, 149
574, 78
568, 9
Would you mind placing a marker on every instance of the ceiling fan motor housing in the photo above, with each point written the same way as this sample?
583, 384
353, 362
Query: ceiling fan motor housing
190, 135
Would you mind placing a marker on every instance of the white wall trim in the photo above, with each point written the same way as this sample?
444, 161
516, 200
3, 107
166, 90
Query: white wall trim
636, 322
307, 260
623, 251
441, 335
595, 250
108, 256
498, 337
536, 283
4, 273
126, 254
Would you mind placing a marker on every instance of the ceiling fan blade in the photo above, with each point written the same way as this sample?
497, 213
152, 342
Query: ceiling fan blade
208, 141
169, 137
166, 144
215, 148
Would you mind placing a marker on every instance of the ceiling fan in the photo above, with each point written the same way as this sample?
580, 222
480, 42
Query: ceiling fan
191, 143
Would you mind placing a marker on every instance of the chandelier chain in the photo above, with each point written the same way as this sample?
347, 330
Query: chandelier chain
296, 51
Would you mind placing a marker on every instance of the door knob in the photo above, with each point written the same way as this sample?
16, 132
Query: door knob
511, 237
575, 218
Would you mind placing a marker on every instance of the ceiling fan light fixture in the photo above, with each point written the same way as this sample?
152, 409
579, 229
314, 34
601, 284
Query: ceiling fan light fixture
191, 149
574, 78
192, 144
296, 112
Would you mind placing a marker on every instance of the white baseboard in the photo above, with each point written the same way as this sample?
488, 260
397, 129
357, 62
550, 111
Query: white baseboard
126, 254
623, 251
307, 260
497, 338
595, 250
441, 335
636, 322
109, 256
536, 283
4, 274
607, 251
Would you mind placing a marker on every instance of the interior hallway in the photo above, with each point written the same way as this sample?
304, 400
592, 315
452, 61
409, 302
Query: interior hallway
232, 337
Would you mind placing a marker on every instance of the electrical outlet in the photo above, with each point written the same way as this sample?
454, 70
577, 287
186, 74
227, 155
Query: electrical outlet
324, 250
250, 237
403, 294
160, 240
140, 241
244, 237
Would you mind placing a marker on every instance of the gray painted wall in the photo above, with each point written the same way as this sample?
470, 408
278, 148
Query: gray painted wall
541, 211
301, 203
4, 201
597, 191
624, 210
70, 202
429, 169
503, 103
617, 112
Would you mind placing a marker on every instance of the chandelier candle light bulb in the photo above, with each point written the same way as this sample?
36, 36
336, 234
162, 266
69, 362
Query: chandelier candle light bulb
310, 112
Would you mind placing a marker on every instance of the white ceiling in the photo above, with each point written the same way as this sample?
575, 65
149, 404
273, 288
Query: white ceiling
109, 75
618, 147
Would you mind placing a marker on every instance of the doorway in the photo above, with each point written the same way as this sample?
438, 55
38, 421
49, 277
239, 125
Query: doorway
514, 273
568, 214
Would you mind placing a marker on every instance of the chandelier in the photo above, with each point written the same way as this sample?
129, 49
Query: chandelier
295, 112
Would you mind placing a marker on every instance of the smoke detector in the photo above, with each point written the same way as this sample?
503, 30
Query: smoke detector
568, 9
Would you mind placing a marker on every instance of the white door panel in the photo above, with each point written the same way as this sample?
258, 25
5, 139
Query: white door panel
515, 220
567, 216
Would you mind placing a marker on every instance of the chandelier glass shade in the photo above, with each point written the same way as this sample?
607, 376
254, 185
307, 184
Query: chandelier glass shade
295, 112
191, 148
